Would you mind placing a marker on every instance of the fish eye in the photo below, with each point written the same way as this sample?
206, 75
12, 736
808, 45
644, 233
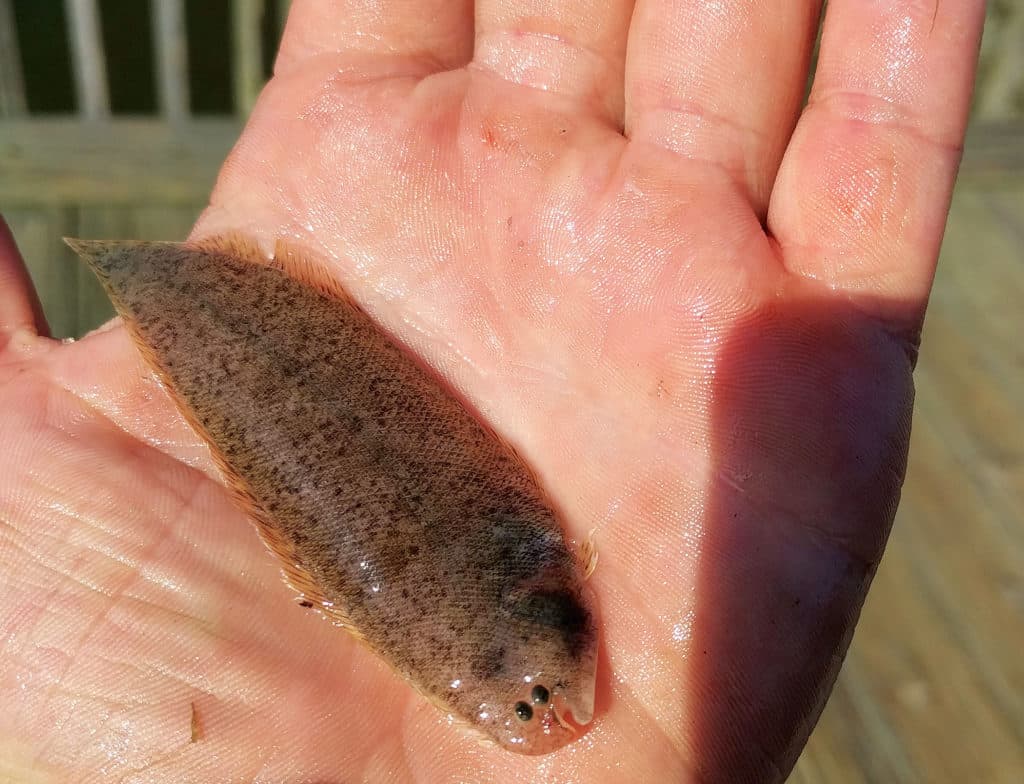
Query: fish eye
540, 695
523, 711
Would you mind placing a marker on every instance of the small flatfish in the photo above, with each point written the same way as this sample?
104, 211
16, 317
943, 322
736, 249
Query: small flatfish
395, 511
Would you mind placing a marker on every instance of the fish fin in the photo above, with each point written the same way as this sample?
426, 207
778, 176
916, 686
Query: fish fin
298, 263
234, 244
589, 554
289, 258
293, 573
483, 740
462, 726
309, 593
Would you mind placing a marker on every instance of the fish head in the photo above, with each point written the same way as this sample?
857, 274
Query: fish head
541, 691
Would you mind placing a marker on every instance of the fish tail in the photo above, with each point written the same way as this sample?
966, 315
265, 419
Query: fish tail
108, 258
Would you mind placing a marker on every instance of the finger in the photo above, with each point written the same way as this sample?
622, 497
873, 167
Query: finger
572, 48
864, 188
430, 35
19, 303
720, 81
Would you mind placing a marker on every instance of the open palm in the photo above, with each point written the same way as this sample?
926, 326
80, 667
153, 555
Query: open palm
598, 223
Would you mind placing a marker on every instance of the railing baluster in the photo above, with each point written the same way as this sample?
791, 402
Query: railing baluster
171, 47
88, 59
12, 83
248, 53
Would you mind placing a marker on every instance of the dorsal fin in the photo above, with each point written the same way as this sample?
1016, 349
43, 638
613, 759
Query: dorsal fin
233, 244
291, 258
297, 262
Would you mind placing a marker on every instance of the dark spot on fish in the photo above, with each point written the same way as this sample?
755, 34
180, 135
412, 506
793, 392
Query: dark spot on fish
489, 663
305, 603
560, 610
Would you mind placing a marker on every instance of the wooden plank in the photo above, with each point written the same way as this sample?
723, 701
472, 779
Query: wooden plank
166, 222
247, 53
171, 47
47, 162
52, 265
994, 153
961, 633
88, 60
12, 83
1002, 73
986, 230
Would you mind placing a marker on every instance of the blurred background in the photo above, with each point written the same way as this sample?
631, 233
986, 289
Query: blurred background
116, 114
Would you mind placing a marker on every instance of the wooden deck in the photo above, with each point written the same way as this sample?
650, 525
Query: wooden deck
933, 688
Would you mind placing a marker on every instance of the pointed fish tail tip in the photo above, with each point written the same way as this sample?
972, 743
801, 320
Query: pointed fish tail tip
95, 253
580, 701
81, 247
105, 257
582, 708
91, 249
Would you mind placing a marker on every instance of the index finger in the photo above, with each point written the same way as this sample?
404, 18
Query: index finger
862, 195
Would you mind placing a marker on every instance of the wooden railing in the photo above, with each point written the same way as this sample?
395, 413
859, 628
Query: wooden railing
100, 174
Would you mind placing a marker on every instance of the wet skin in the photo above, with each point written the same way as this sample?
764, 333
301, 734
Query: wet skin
696, 324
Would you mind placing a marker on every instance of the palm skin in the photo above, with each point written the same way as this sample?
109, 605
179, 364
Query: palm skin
729, 422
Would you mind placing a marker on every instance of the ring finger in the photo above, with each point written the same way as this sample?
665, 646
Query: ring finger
720, 82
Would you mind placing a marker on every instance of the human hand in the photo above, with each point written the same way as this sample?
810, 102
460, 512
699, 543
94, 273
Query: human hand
700, 332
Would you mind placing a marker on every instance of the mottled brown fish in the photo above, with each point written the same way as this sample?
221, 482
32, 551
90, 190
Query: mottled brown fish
396, 511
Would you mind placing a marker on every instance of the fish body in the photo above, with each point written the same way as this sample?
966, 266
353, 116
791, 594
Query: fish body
393, 508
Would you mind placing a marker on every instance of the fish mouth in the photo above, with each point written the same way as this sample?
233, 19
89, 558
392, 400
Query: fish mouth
574, 711
579, 701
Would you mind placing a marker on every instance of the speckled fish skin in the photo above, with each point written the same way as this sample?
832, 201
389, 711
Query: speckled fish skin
394, 509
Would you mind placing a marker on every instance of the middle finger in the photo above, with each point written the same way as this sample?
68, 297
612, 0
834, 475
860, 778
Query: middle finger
720, 82
575, 48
